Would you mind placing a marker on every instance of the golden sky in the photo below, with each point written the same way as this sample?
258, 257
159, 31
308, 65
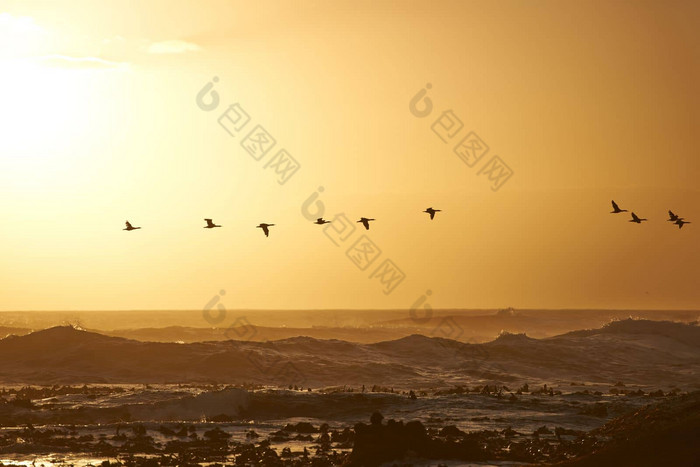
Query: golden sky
584, 101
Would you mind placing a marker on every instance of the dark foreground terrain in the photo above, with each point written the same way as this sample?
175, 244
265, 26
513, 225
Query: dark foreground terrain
662, 432
623, 394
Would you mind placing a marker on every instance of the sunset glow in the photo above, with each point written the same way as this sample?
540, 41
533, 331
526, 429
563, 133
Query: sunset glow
584, 101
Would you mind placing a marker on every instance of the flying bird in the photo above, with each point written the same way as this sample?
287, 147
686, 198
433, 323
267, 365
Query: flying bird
365, 222
680, 222
616, 208
432, 212
210, 224
636, 219
673, 217
130, 227
321, 221
265, 229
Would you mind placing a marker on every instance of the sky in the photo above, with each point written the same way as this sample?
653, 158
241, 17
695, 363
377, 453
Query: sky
152, 112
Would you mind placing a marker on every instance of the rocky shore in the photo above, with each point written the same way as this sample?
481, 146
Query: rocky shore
665, 432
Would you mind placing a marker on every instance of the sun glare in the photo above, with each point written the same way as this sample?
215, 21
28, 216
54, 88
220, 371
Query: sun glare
47, 102
44, 116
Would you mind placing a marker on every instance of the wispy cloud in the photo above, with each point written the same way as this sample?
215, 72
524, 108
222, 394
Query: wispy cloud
20, 36
19, 24
92, 63
172, 47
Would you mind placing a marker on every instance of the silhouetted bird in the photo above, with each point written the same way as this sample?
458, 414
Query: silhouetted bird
616, 209
265, 228
321, 221
673, 217
636, 219
365, 222
210, 224
432, 212
130, 227
680, 222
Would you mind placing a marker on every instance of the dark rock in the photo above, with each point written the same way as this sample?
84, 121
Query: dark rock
217, 434
451, 430
376, 444
301, 427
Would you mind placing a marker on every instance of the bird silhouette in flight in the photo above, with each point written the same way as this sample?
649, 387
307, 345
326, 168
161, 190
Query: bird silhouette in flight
636, 219
673, 217
130, 227
616, 208
680, 222
210, 224
265, 228
365, 222
432, 212
321, 221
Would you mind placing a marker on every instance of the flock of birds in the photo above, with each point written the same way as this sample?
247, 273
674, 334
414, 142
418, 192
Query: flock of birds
679, 221
266, 227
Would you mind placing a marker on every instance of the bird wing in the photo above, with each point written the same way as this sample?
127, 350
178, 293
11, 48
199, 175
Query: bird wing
634, 216
265, 229
432, 214
128, 225
615, 207
209, 222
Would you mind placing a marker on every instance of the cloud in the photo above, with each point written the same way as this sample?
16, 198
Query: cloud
10, 24
82, 63
172, 47
20, 36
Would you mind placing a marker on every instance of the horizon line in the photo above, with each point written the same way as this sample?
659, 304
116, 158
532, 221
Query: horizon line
349, 309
